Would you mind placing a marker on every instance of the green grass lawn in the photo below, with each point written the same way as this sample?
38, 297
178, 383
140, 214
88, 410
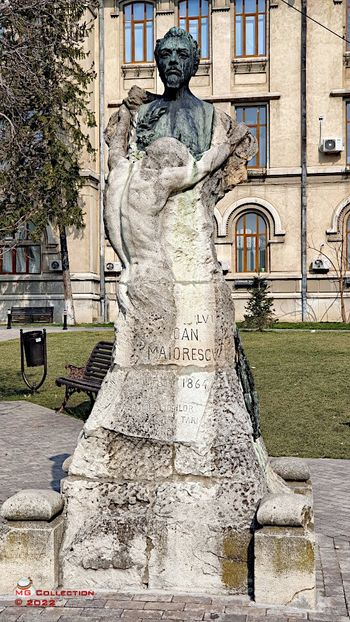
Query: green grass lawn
303, 384
302, 379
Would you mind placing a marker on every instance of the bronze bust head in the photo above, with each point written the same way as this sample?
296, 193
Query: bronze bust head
177, 113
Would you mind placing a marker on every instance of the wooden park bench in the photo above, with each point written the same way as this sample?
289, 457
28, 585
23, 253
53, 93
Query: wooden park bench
30, 315
89, 378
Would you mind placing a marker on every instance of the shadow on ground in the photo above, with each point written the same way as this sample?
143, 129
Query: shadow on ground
56, 470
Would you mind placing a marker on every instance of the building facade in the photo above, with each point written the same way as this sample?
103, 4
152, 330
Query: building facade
285, 76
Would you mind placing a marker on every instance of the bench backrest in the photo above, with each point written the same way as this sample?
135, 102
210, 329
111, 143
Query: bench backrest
99, 361
32, 314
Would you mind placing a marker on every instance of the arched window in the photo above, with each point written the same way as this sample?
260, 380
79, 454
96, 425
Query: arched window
138, 32
19, 255
347, 242
194, 18
251, 243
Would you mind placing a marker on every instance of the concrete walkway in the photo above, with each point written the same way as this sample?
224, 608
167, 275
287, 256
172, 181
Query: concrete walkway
34, 441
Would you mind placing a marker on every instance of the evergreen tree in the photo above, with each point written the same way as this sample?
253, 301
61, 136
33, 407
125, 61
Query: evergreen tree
44, 117
260, 312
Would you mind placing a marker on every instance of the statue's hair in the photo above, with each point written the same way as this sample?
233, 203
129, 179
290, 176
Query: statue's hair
183, 34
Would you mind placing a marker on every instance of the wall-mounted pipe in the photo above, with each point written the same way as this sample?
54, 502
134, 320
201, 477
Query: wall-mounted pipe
303, 157
101, 99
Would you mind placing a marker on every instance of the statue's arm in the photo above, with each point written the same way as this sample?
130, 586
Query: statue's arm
185, 177
212, 159
117, 134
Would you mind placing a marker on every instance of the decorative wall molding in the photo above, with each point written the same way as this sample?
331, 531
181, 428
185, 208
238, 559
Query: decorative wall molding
203, 68
129, 72
252, 65
115, 12
337, 217
242, 205
220, 5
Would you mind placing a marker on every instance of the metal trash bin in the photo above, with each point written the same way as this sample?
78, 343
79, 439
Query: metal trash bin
34, 348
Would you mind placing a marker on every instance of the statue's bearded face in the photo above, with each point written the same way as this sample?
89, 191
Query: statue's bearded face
175, 62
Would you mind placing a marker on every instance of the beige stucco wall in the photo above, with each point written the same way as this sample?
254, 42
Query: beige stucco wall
276, 190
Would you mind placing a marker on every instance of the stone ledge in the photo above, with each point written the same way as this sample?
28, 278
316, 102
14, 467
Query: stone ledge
291, 469
285, 510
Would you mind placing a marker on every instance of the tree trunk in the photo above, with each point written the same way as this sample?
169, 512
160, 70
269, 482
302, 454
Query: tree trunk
342, 301
67, 285
342, 271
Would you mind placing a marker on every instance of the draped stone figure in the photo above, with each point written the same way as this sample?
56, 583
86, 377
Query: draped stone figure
167, 475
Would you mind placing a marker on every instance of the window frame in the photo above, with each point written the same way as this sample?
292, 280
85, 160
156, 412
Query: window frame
257, 235
188, 18
347, 131
258, 165
244, 16
347, 241
144, 21
24, 242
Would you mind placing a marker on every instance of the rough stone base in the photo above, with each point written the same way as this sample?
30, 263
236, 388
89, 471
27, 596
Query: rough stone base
30, 549
154, 535
284, 571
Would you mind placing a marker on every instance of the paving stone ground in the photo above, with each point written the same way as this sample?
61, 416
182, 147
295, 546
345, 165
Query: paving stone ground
34, 441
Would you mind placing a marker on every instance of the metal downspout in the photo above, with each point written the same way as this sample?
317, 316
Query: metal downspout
303, 154
101, 72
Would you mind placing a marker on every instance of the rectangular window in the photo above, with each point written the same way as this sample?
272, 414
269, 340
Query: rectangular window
20, 260
250, 28
138, 32
255, 117
194, 18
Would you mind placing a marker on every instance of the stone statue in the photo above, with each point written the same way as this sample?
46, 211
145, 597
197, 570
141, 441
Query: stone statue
168, 473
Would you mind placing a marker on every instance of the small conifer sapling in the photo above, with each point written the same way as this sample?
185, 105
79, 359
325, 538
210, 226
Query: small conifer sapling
260, 312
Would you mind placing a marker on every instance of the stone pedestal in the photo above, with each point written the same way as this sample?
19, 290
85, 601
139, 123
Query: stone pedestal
284, 550
285, 571
166, 479
167, 476
30, 540
30, 549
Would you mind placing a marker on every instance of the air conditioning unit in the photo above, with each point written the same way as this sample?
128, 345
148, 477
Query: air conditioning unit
320, 265
331, 145
113, 266
55, 265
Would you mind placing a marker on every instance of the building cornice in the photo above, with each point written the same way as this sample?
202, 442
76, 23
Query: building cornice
340, 93
243, 97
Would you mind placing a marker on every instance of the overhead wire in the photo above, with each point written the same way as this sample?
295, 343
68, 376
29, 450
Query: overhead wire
291, 6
